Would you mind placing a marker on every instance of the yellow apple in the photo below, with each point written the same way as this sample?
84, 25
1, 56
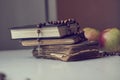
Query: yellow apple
91, 34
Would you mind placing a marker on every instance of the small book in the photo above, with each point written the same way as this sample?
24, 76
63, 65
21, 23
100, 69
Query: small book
43, 31
72, 39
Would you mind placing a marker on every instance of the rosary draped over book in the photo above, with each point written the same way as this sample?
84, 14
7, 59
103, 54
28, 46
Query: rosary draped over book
62, 40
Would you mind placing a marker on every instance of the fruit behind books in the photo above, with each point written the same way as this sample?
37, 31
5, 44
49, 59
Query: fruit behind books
91, 34
110, 39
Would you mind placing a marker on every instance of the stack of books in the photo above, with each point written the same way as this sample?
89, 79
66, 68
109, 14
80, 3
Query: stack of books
62, 40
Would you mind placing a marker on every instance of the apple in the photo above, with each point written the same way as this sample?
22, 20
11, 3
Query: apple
110, 39
91, 34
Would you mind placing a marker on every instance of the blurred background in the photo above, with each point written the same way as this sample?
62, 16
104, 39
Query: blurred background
89, 13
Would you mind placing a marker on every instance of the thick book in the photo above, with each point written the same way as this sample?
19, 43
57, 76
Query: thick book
81, 55
44, 31
72, 39
76, 56
67, 49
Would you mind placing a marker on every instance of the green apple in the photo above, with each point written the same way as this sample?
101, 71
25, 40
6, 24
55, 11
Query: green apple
91, 34
110, 39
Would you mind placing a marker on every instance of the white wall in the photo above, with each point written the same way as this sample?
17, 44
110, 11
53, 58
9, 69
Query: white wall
17, 13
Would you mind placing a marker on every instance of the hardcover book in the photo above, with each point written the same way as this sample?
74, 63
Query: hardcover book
44, 30
72, 39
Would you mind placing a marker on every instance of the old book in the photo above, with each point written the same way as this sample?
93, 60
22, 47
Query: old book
72, 39
43, 30
68, 49
81, 55
77, 56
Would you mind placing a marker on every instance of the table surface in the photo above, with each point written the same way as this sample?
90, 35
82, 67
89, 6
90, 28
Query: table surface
21, 65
